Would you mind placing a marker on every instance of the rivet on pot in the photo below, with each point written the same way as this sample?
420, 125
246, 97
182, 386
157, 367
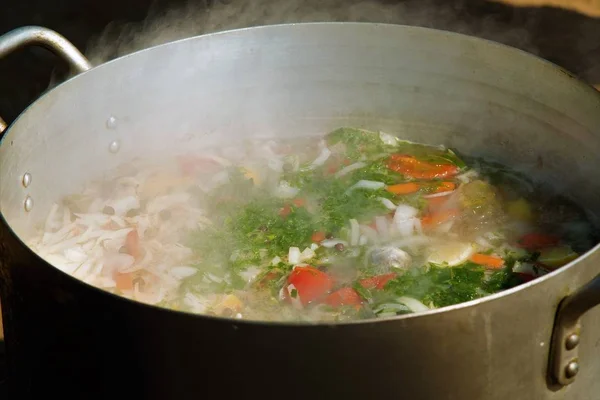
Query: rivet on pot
114, 146
111, 123
28, 204
26, 179
572, 369
572, 341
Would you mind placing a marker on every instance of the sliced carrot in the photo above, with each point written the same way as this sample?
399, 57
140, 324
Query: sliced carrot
403, 188
124, 281
132, 244
299, 202
439, 217
318, 237
486, 260
411, 167
445, 187
344, 297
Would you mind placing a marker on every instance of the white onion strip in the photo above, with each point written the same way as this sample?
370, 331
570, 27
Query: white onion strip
441, 194
320, 160
364, 184
404, 219
350, 168
354, 232
329, 243
387, 203
414, 304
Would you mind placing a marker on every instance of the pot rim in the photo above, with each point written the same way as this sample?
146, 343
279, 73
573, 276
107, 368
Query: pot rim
303, 324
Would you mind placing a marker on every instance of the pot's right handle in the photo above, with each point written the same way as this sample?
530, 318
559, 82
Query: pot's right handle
564, 361
53, 41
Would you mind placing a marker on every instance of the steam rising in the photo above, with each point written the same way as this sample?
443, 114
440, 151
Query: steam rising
200, 17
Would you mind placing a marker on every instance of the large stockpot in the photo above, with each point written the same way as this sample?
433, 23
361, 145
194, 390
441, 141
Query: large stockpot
67, 338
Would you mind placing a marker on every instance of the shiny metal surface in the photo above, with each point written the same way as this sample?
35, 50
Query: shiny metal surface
283, 81
28, 204
26, 179
572, 341
564, 357
53, 41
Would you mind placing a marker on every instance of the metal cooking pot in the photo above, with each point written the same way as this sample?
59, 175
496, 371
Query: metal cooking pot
537, 341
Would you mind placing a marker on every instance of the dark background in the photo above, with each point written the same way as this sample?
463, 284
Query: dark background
569, 39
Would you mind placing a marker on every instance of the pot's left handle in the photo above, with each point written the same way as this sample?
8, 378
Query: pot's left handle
53, 41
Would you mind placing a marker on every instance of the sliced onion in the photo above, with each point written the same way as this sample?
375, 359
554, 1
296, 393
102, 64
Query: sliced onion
387, 203
467, 176
123, 205
250, 273
388, 139
524, 268
294, 255
285, 191
354, 232
329, 243
183, 272
364, 184
276, 260
414, 304
275, 164
119, 261
296, 302
349, 168
370, 233
362, 240
307, 254
75, 254
213, 277
441, 194
404, 219
383, 228
320, 160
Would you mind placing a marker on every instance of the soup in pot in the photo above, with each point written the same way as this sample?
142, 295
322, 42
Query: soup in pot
353, 225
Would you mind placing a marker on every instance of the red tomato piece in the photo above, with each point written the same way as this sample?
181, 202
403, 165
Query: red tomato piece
537, 241
310, 283
285, 211
344, 297
377, 282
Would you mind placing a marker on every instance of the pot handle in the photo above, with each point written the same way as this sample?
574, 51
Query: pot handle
53, 41
564, 361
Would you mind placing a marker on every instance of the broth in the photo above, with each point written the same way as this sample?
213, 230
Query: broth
354, 225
